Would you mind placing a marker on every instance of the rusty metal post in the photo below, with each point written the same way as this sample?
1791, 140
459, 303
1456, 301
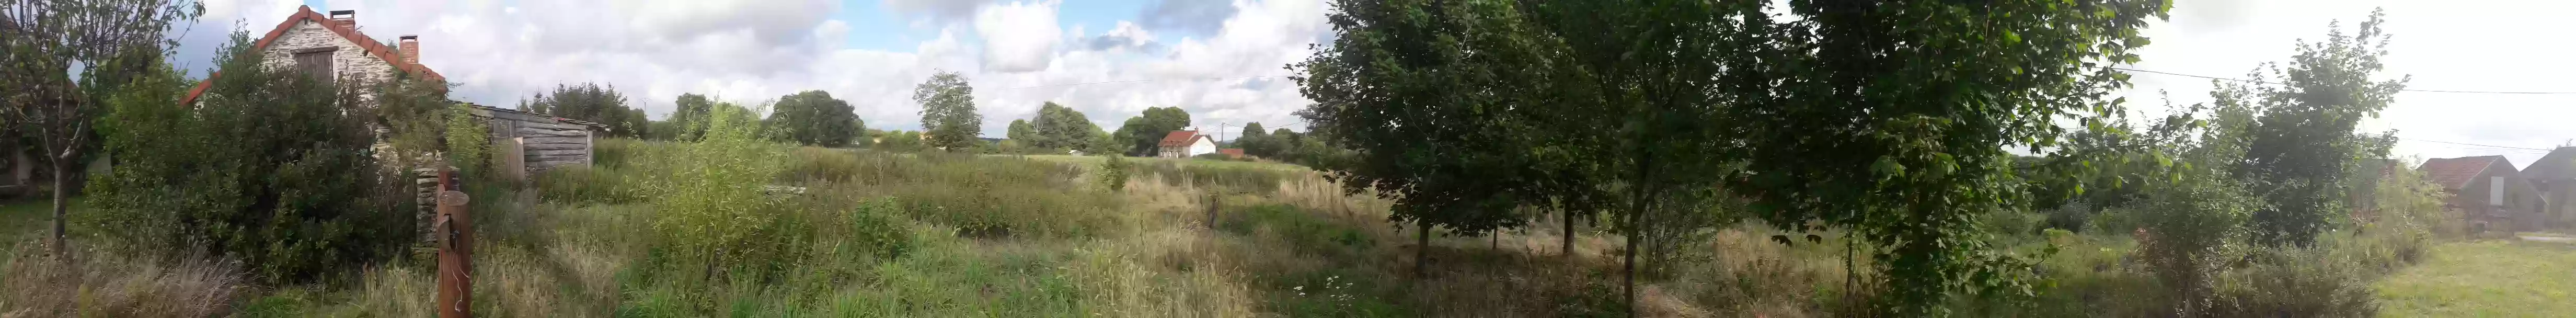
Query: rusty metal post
455, 250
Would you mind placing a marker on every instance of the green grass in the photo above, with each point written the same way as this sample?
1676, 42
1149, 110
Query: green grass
30, 217
2485, 279
23, 215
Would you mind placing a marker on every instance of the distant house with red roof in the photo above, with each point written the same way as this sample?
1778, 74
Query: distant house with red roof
1231, 152
2488, 190
1185, 143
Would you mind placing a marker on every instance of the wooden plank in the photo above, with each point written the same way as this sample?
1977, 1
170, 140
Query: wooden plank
521, 117
535, 158
556, 140
559, 152
537, 132
550, 123
558, 147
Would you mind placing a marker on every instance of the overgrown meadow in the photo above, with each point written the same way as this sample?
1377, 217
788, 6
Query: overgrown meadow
734, 226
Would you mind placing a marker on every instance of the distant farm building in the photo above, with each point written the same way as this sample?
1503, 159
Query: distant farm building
2555, 177
1185, 143
2488, 190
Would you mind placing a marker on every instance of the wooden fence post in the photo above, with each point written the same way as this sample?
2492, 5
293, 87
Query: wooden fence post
455, 250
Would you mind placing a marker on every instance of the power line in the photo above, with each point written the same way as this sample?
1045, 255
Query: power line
1142, 81
2262, 82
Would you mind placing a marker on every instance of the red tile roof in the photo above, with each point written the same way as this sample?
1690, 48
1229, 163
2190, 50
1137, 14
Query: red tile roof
373, 47
1233, 152
2453, 173
1180, 138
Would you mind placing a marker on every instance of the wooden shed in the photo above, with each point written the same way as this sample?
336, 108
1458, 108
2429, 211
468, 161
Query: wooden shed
541, 142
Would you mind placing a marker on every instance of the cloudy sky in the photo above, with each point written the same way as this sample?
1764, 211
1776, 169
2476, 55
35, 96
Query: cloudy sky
1223, 59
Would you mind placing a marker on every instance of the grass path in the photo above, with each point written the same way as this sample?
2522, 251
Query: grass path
2485, 279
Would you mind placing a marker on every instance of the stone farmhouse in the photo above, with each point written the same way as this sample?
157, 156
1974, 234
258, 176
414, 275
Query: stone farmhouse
332, 48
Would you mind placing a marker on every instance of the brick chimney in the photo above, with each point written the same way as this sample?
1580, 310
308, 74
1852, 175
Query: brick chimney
410, 50
345, 18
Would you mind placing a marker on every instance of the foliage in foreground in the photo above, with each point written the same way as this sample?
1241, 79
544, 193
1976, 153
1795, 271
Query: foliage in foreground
1465, 110
271, 168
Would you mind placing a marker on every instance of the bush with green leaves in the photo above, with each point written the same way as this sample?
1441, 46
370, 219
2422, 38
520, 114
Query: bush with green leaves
1114, 172
270, 167
2189, 232
715, 208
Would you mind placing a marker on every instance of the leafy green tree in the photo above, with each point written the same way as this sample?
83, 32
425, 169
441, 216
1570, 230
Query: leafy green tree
1256, 142
1660, 103
1061, 128
1252, 130
1443, 102
814, 118
948, 112
1145, 132
689, 120
1892, 120
2300, 152
590, 102
1020, 130
107, 44
270, 167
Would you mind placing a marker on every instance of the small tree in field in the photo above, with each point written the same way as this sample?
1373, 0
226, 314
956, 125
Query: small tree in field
713, 210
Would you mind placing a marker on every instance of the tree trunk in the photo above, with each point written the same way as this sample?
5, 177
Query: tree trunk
62, 207
1421, 244
1637, 209
1629, 266
1566, 245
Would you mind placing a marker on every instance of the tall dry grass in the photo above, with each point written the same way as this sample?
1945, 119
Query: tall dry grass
97, 284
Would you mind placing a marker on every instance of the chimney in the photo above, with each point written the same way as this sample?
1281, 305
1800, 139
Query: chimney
345, 18
410, 50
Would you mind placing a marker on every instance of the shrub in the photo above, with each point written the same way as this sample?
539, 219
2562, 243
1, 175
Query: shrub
270, 167
2189, 234
2301, 282
877, 226
1114, 172
713, 208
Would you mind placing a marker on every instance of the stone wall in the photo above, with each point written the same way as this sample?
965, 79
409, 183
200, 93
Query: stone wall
350, 61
